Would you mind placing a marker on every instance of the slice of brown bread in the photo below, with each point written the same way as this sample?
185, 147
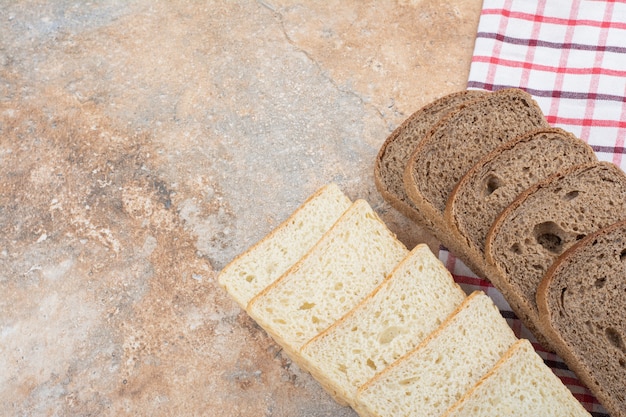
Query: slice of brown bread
543, 222
582, 299
497, 179
395, 152
459, 141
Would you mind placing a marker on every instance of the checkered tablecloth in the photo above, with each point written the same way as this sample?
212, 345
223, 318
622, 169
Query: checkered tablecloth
571, 57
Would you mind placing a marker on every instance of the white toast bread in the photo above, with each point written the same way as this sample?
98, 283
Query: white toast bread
519, 385
433, 376
347, 264
262, 264
411, 303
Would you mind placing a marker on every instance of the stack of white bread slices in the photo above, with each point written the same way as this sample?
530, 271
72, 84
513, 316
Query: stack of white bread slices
513, 197
383, 329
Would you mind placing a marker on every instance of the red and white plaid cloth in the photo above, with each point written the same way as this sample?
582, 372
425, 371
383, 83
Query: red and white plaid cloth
571, 57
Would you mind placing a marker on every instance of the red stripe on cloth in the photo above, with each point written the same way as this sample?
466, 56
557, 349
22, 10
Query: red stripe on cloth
530, 52
595, 79
450, 262
586, 398
571, 21
497, 47
586, 122
595, 70
473, 281
558, 83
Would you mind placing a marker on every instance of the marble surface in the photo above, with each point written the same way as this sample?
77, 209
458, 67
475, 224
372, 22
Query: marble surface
144, 144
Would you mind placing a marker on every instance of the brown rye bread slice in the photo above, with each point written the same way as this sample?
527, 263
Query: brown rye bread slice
542, 223
581, 300
455, 144
398, 147
498, 178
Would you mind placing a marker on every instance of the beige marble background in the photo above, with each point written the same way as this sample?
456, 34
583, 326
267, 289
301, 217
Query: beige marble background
144, 144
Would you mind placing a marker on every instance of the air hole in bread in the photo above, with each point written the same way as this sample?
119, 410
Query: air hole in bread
571, 195
407, 381
307, 306
614, 338
622, 363
599, 283
389, 334
622, 255
492, 183
563, 291
371, 364
250, 278
516, 249
548, 235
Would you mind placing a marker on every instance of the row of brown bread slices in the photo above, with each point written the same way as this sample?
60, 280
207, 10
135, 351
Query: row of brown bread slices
384, 329
530, 208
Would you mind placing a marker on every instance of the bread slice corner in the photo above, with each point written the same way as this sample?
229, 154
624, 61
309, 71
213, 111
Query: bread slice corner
259, 266
393, 155
520, 384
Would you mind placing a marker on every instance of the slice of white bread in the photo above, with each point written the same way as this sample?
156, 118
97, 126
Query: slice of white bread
519, 385
432, 377
543, 222
347, 264
398, 147
262, 264
411, 303
582, 300
497, 179
458, 142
